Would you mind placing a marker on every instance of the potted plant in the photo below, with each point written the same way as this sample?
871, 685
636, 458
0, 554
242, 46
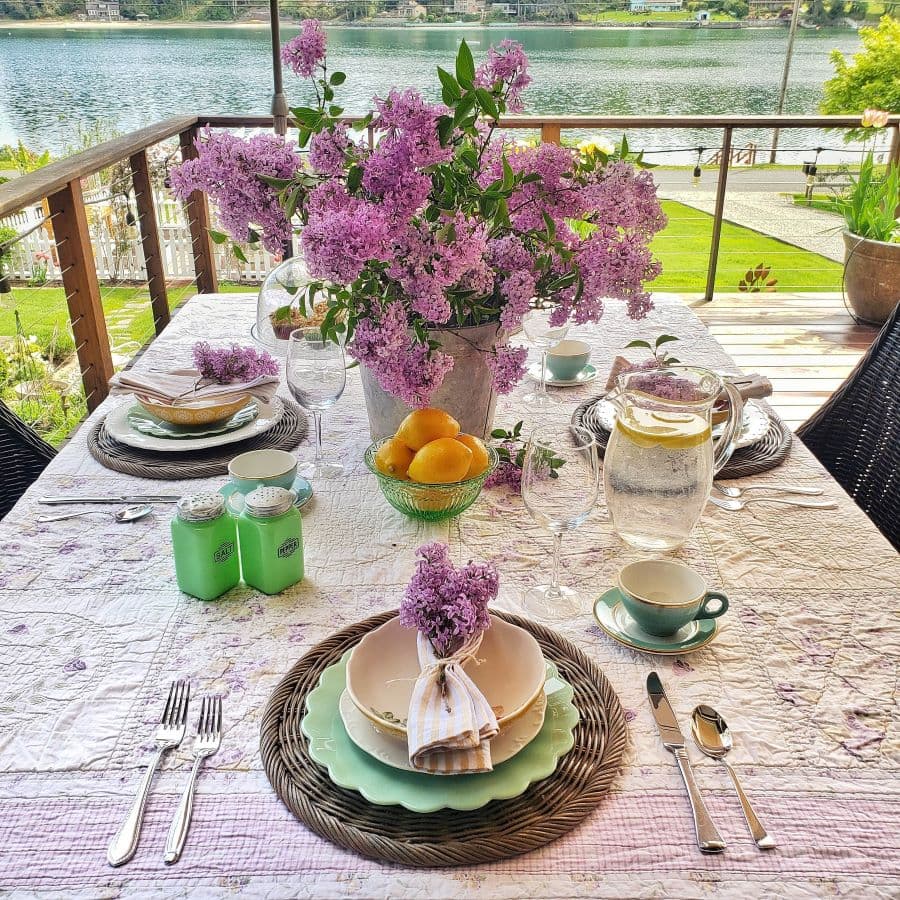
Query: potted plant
872, 242
7, 237
431, 243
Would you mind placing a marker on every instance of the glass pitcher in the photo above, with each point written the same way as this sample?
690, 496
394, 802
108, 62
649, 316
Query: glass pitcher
660, 461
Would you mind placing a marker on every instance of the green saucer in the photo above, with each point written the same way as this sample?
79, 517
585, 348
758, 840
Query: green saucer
614, 620
352, 768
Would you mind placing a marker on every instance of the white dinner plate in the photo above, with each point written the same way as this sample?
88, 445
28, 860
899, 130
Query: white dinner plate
118, 428
393, 751
756, 422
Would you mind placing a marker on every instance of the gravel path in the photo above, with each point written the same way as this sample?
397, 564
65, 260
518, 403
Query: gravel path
772, 214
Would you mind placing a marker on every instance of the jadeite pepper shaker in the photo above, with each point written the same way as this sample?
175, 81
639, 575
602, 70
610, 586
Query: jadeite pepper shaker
204, 542
271, 540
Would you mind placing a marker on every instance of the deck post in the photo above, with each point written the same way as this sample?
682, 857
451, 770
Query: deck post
79, 276
198, 223
717, 215
153, 258
550, 133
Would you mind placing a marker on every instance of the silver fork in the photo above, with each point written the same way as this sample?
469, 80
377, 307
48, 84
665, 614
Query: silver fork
734, 492
168, 735
735, 505
209, 737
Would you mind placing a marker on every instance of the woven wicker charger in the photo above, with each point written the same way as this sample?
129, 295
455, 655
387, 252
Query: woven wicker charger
285, 434
769, 451
503, 828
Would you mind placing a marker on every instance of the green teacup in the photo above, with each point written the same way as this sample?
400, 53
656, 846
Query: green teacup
663, 596
263, 468
566, 359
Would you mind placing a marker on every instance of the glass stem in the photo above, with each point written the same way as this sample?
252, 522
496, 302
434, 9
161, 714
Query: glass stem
543, 371
317, 419
557, 546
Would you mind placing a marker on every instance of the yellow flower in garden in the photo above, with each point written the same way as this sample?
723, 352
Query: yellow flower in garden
875, 118
595, 145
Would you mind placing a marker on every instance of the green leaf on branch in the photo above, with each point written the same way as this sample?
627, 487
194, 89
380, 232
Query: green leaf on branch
465, 65
451, 90
464, 108
278, 183
335, 111
664, 339
217, 237
354, 179
445, 129
238, 251
642, 345
337, 78
486, 102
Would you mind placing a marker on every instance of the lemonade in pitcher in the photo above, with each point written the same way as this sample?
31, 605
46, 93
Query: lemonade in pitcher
660, 461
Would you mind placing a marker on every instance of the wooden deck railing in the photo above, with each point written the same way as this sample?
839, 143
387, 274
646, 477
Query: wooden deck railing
60, 185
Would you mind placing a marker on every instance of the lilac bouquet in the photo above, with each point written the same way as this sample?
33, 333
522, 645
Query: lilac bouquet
226, 365
439, 220
448, 605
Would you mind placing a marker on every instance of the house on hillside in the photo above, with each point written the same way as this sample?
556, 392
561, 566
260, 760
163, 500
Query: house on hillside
102, 10
655, 5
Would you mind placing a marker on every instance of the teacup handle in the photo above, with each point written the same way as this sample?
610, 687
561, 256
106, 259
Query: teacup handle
732, 427
712, 597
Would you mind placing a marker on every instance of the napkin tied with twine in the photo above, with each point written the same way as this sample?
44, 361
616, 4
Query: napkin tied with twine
450, 723
182, 386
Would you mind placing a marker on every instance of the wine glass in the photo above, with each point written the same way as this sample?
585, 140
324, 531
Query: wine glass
560, 481
316, 375
543, 335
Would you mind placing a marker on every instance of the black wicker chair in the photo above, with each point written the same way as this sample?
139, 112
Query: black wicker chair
23, 456
856, 434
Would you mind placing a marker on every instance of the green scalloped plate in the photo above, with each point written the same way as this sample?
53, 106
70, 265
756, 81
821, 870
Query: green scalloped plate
352, 768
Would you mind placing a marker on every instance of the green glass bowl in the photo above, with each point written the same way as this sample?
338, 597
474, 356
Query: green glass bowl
429, 502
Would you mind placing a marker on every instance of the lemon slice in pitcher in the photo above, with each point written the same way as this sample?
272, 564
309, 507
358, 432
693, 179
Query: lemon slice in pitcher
654, 428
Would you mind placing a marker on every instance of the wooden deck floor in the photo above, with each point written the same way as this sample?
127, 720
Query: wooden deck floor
806, 344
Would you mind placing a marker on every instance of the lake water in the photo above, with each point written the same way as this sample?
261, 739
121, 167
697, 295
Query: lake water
53, 79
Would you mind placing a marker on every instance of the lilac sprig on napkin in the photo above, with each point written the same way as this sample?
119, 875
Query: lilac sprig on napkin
450, 723
445, 604
227, 365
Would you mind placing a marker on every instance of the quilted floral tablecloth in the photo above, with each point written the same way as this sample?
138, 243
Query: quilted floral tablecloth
93, 628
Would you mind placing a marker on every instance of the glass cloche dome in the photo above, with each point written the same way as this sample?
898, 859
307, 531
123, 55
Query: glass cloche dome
278, 310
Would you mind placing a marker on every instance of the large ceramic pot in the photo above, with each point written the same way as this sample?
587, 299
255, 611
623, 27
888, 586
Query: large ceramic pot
871, 277
467, 392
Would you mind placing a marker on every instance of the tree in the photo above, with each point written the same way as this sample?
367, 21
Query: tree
737, 9
872, 79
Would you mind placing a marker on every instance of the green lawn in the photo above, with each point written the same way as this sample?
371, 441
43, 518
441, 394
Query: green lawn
683, 249
127, 309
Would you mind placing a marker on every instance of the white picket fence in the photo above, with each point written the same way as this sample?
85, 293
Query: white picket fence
125, 262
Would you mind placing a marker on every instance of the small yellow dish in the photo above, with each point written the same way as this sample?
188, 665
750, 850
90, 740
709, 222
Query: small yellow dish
196, 412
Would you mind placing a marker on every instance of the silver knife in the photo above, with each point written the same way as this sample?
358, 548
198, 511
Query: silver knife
125, 498
708, 837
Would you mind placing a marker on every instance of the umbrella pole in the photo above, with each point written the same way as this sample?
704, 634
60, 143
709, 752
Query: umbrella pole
279, 101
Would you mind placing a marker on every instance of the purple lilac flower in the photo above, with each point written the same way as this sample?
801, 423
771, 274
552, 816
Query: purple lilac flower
226, 365
328, 150
506, 473
403, 116
667, 387
228, 169
448, 605
506, 63
507, 365
306, 51
401, 366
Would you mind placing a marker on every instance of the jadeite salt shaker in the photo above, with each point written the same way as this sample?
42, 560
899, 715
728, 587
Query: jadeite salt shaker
204, 542
271, 540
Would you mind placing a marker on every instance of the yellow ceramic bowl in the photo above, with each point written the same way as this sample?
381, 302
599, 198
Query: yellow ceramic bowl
508, 668
197, 412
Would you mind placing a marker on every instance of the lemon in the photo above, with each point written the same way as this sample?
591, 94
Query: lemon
480, 457
393, 458
441, 462
672, 430
422, 426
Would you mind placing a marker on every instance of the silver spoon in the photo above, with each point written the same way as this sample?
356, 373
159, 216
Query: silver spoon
736, 505
735, 492
712, 736
127, 514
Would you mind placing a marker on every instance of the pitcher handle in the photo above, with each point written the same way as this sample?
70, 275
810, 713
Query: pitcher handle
732, 427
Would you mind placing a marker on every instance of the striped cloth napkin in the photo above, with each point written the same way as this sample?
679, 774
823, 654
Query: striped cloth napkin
186, 386
449, 727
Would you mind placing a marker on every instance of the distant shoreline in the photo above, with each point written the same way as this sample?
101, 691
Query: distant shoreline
655, 24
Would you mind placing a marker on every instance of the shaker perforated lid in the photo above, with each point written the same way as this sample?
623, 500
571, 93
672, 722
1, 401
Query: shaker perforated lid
201, 507
265, 502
